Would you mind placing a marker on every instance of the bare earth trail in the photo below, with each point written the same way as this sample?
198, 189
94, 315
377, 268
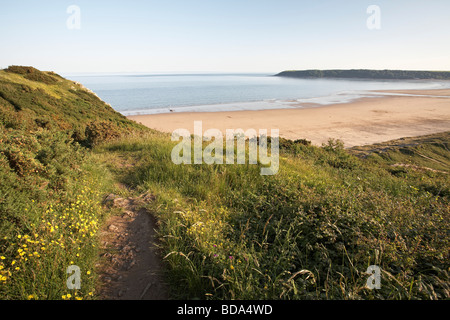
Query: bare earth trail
130, 267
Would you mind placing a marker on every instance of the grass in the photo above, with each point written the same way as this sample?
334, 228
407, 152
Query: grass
309, 232
226, 232
51, 184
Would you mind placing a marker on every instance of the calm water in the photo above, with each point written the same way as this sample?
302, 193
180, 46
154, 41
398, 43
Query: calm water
146, 94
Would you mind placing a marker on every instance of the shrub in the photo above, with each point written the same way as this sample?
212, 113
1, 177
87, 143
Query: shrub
101, 131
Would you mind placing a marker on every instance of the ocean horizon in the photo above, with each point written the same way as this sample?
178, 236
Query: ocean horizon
155, 93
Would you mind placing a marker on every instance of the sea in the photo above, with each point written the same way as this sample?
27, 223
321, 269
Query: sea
148, 93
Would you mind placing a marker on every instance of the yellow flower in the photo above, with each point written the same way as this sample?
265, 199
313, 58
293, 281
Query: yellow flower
30, 297
88, 273
2, 257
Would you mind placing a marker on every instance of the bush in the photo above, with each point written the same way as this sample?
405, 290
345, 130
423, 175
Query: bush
101, 131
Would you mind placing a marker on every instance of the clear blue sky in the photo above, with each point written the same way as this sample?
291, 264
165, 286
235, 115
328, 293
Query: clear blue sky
224, 35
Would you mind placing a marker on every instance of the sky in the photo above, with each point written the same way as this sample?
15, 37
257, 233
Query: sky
224, 36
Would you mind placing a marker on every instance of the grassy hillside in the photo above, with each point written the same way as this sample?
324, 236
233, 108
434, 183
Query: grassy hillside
226, 232
35, 100
367, 74
309, 232
51, 185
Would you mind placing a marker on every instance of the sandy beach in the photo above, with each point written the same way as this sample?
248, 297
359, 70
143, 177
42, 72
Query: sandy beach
364, 121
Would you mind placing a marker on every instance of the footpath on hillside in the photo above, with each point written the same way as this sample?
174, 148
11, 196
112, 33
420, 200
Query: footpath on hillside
130, 267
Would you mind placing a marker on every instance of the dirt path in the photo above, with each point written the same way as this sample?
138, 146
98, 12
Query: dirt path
130, 268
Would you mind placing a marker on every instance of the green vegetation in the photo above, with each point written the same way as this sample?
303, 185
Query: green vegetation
309, 232
226, 232
367, 74
51, 184
31, 103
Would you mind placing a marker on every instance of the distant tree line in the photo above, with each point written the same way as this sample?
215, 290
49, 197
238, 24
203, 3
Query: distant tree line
367, 74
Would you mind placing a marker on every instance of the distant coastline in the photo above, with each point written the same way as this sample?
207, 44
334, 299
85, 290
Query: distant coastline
366, 74
155, 94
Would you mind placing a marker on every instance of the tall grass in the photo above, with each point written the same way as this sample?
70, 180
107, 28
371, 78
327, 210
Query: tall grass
309, 232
